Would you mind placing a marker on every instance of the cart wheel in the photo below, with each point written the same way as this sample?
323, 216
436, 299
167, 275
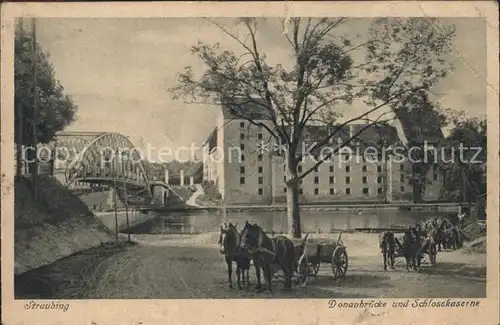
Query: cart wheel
339, 262
313, 268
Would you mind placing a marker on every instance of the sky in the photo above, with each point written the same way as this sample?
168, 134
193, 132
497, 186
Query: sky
118, 71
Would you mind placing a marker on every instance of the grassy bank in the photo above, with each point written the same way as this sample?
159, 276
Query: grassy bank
57, 225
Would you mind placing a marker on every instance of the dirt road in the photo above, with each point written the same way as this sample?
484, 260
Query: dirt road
175, 267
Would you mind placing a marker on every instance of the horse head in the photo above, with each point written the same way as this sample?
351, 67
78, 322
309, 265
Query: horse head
229, 238
222, 238
251, 237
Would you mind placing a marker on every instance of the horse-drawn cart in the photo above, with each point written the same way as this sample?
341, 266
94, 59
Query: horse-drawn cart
318, 251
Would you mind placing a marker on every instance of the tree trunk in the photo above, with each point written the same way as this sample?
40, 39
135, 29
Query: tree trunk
292, 199
386, 180
292, 208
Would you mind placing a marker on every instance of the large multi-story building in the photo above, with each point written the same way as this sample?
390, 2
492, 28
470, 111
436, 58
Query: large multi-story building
247, 167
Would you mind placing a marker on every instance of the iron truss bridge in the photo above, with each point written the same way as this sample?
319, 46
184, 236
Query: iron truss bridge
104, 159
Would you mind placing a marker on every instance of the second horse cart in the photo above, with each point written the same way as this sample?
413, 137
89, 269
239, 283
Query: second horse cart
322, 251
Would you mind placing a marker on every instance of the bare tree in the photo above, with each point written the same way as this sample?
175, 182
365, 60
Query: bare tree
401, 57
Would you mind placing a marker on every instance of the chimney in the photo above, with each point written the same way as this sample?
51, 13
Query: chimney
166, 176
182, 177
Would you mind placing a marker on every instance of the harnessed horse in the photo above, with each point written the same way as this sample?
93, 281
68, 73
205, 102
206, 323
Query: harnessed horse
266, 252
387, 245
412, 248
229, 241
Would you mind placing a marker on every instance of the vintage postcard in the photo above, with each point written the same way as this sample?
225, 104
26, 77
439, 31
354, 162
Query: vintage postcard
250, 163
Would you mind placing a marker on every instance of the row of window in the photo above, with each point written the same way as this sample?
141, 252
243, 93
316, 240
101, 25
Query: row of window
316, 179
366, 191
331, 179
347, 168
242, 137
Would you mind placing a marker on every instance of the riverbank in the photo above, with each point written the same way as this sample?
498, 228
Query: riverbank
337, 206
57, 225
191, 266
135, 218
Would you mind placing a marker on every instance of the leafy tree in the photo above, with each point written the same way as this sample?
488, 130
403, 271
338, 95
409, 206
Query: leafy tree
466, 170
402, 59
55, 110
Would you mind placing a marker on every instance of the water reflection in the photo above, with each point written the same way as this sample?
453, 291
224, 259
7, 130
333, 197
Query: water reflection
275, 221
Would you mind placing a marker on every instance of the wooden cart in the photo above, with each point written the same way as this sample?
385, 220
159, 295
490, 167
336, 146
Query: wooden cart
318, 251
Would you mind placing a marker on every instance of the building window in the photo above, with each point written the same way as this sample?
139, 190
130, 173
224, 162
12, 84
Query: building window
316, 169
301, 191
402, 188
348, 180
347, 169
332, 179
261, 191
259, 136
242, 180
299, 169
242, 124
364, 179
402, 177
379, 190
332, 191
242, 170
242, 136
435, 176
316, 180
261, 180
284, 179
259, 157
316, 191
401, 167
331, 169
242, 157
379, 179
260, 169
242, 146
348, 191
379, 169
284, 189
300, 181
366, 190
364, 168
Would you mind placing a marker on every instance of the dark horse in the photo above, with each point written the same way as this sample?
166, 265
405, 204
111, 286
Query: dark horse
229, 241
411, 248
266, 252
387, 245
428, 246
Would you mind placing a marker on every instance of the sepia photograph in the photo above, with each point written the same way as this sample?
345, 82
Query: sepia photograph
250, 157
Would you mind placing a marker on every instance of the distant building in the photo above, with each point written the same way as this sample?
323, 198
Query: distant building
259, 176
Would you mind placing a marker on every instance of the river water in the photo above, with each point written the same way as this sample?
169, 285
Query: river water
275, 221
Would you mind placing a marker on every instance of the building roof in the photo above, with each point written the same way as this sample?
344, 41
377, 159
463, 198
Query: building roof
247, 108
373, 135
420, 125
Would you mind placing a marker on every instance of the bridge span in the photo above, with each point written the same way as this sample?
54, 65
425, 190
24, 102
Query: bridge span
108, 161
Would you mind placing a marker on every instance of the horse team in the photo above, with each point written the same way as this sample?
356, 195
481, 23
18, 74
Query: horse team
269, 254
266, 253
424, 238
